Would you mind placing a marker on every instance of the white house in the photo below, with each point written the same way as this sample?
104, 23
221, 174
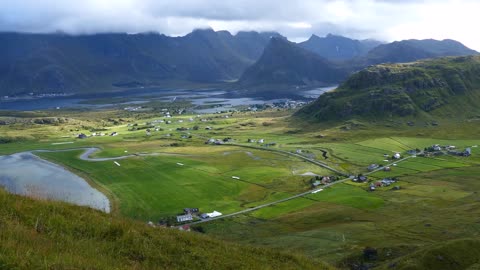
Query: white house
183, 218
397, 156
214, 214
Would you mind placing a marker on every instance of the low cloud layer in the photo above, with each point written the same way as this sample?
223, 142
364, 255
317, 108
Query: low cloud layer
297, 19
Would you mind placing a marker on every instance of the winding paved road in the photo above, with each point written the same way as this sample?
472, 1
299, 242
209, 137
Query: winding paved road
89, 151
316, 162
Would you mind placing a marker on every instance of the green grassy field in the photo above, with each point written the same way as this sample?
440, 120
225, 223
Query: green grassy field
430, 207
437, 201
149, 188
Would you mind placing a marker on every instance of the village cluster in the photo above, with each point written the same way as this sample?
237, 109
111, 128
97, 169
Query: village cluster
430, 151
322, 180
227, 108
376, 167
287, 104
36, 95
438, 150
188, 215
385, 182
96, 134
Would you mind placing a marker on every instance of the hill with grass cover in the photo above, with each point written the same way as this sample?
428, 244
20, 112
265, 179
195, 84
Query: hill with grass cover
447, 87
51, 235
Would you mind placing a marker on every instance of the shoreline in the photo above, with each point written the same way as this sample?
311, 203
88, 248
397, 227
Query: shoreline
111, 203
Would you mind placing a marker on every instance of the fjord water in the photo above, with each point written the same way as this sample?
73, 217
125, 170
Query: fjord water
26, 174
139, 96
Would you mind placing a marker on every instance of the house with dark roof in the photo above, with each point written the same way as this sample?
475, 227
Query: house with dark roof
191, 210
362, 178
387, 182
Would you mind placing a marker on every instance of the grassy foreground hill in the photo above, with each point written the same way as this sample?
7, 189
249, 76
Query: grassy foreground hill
48, 235
445, 88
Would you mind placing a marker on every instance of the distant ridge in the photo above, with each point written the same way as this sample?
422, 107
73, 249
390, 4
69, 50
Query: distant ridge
413, 49
85, 63
338, 48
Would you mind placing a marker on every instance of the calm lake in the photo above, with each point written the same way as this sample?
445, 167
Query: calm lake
27, 174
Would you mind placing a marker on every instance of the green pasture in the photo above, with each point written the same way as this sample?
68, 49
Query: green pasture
356, 153
390, 145
154, 187
438, 199
348, 195
430, 207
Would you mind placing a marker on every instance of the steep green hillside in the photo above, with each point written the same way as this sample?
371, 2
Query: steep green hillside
448, 87
45, 235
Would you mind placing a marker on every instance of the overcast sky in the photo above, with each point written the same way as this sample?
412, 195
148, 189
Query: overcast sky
386, 20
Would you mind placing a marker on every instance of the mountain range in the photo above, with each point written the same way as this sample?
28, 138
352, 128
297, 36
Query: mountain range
55, 62
45, 63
